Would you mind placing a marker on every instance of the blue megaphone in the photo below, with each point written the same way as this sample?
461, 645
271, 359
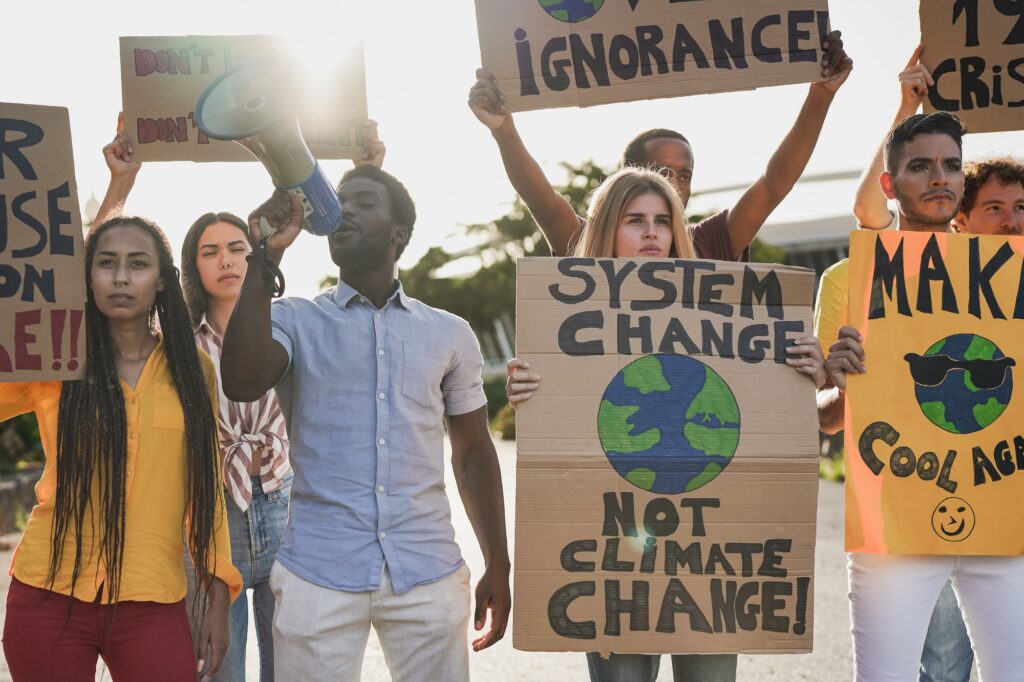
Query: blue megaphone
253, 105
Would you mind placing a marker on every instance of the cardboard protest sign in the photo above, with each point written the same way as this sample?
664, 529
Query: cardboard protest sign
975, 52
162, 77
559, 53
667, 470
42, 268
934, 428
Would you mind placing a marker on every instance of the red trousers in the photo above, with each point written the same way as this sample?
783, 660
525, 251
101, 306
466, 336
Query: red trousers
50, 636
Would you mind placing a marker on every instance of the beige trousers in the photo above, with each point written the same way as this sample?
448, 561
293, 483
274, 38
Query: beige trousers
320, 633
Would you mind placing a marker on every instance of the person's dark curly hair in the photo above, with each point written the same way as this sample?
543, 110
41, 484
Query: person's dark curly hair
1006, 169
636, 154
403, 210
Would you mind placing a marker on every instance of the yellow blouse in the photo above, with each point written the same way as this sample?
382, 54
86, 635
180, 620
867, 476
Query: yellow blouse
155, 494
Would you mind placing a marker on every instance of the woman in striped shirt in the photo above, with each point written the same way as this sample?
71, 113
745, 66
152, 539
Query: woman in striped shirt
253, 440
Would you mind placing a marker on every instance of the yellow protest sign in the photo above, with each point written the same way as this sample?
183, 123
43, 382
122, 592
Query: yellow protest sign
934, 428
667, 470
42, 260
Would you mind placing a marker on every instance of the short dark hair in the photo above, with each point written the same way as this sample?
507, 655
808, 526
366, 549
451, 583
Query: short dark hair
403, 210
938, 123
636, 154
1006, 169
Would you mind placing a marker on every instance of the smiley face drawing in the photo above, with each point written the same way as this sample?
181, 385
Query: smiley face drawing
953, 520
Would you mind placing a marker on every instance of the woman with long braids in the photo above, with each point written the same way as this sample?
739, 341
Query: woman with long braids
253, 440
131, 459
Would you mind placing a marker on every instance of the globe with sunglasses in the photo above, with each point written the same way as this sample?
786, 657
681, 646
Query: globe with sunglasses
963, 382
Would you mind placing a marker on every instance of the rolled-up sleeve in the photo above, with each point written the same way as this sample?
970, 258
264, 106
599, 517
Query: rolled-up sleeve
282, 324
463, 386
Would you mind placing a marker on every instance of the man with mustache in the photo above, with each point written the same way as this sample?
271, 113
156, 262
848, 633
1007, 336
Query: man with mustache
993, 203
369, 378
891, 602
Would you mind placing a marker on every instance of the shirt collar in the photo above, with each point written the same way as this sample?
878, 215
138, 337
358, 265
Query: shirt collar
344, 295
205, 327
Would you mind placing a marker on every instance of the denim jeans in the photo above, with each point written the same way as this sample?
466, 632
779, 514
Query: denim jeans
644, 668
255, 538
947, 654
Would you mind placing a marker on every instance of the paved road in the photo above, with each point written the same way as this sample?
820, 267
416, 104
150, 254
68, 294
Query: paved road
831, 659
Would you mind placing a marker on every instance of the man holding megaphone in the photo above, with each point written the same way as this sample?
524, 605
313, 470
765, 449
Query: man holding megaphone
367, 378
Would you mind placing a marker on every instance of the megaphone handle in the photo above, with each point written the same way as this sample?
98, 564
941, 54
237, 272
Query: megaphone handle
273, 278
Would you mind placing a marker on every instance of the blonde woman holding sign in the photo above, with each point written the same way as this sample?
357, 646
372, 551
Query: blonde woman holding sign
636, 213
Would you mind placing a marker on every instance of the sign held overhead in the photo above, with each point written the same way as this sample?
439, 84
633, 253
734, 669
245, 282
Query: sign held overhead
162, 77
558, 53
975, 52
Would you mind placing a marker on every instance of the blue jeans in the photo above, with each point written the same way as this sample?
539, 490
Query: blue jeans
644, 668
255, 539
947, 654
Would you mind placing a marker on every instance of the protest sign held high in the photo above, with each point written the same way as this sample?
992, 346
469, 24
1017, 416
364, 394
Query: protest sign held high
935, 430
42, 271
163, 76
667, 468
975, 52
558, 53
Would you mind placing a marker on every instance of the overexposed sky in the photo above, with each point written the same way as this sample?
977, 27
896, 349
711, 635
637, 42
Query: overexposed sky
420, 60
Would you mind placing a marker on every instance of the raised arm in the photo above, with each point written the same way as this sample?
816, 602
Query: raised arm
789, 160
120, 158
478, 475
870, 206
252, 362
553, 212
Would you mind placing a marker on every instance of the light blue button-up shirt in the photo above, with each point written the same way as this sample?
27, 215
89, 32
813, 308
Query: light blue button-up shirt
365, 396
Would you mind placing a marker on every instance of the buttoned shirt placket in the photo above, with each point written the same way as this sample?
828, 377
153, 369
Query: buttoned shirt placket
384, 364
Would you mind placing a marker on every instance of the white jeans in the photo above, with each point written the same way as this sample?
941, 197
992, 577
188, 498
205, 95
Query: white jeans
891, 603
320, 634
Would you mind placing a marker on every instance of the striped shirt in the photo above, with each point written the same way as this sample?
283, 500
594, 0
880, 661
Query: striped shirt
244, 427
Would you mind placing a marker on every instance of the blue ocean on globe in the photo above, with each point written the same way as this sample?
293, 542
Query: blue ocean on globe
957, 405
571, 11
668, 423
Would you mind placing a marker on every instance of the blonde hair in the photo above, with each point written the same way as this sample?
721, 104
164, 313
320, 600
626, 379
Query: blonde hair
608, 205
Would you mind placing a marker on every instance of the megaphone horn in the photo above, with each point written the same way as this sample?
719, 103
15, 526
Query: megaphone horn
253, 104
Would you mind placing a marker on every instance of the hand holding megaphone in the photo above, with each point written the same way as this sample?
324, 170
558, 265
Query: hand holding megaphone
253, 104
284, 214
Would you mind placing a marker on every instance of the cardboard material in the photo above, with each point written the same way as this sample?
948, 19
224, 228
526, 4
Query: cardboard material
934, 444
163, 76
975, 52
559, 53
667, 476
42, 267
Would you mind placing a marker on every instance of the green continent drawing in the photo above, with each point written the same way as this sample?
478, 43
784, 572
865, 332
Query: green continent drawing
668, 423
